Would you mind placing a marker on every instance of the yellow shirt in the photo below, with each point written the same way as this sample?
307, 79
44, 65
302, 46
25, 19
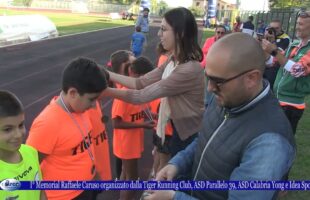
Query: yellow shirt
26, 170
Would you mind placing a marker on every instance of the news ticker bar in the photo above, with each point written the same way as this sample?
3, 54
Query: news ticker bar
154, 185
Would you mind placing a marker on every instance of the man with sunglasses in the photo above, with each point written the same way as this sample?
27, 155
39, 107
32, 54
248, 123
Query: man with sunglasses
245, 134
220, 31
292, 83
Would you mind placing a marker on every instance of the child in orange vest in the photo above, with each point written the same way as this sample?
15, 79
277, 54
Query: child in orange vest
128, 136
119, 63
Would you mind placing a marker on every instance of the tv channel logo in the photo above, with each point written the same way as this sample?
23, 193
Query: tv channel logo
10, 184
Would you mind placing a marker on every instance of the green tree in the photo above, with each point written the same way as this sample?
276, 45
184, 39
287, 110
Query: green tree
197, 11
26, 3
288, 3
162, 7
127, 1
123, 2
162, 4
154, 6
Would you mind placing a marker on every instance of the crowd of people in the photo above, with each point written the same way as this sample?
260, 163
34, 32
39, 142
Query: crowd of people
226, 111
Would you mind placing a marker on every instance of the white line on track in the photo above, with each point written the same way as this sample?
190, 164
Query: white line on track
29, 75
57, 91
42, 98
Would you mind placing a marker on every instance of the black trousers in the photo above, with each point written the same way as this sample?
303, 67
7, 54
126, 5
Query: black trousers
176, 144
293, 115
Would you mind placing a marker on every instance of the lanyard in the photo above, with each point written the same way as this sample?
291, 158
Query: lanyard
87, 146
147, 112
294, 52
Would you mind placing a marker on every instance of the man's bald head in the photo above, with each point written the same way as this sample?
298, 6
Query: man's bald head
240, 51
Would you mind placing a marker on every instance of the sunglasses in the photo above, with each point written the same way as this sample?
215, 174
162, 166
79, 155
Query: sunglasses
219, 32
221, 81
304, 14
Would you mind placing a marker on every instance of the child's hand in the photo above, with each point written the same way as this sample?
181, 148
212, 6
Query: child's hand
155, 116
149, 124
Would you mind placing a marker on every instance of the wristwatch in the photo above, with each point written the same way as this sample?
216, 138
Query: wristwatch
274, 52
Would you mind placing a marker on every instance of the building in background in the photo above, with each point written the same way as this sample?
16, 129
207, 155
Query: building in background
225, 5
216, 10
199, 3
220, 4
258, 5
175, 3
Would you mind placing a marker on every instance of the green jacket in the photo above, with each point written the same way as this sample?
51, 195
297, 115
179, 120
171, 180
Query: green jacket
288, 88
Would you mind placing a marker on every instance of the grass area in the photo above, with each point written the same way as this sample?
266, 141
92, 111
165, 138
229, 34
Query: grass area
207, 32
69, 23
301, 167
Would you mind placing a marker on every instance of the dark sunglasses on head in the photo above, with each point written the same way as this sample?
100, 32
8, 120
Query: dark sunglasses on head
304, 14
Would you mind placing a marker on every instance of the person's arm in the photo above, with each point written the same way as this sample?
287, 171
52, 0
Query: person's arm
137, 83
40, 158
296, 69
267, 157
183, 160
180, 81
120, 124
126, 81
268, 47
180, 163
43, 135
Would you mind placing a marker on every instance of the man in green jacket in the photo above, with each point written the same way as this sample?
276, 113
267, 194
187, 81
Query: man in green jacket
292, 83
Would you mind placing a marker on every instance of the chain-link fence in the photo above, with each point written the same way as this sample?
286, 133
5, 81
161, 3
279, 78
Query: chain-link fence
288, 17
